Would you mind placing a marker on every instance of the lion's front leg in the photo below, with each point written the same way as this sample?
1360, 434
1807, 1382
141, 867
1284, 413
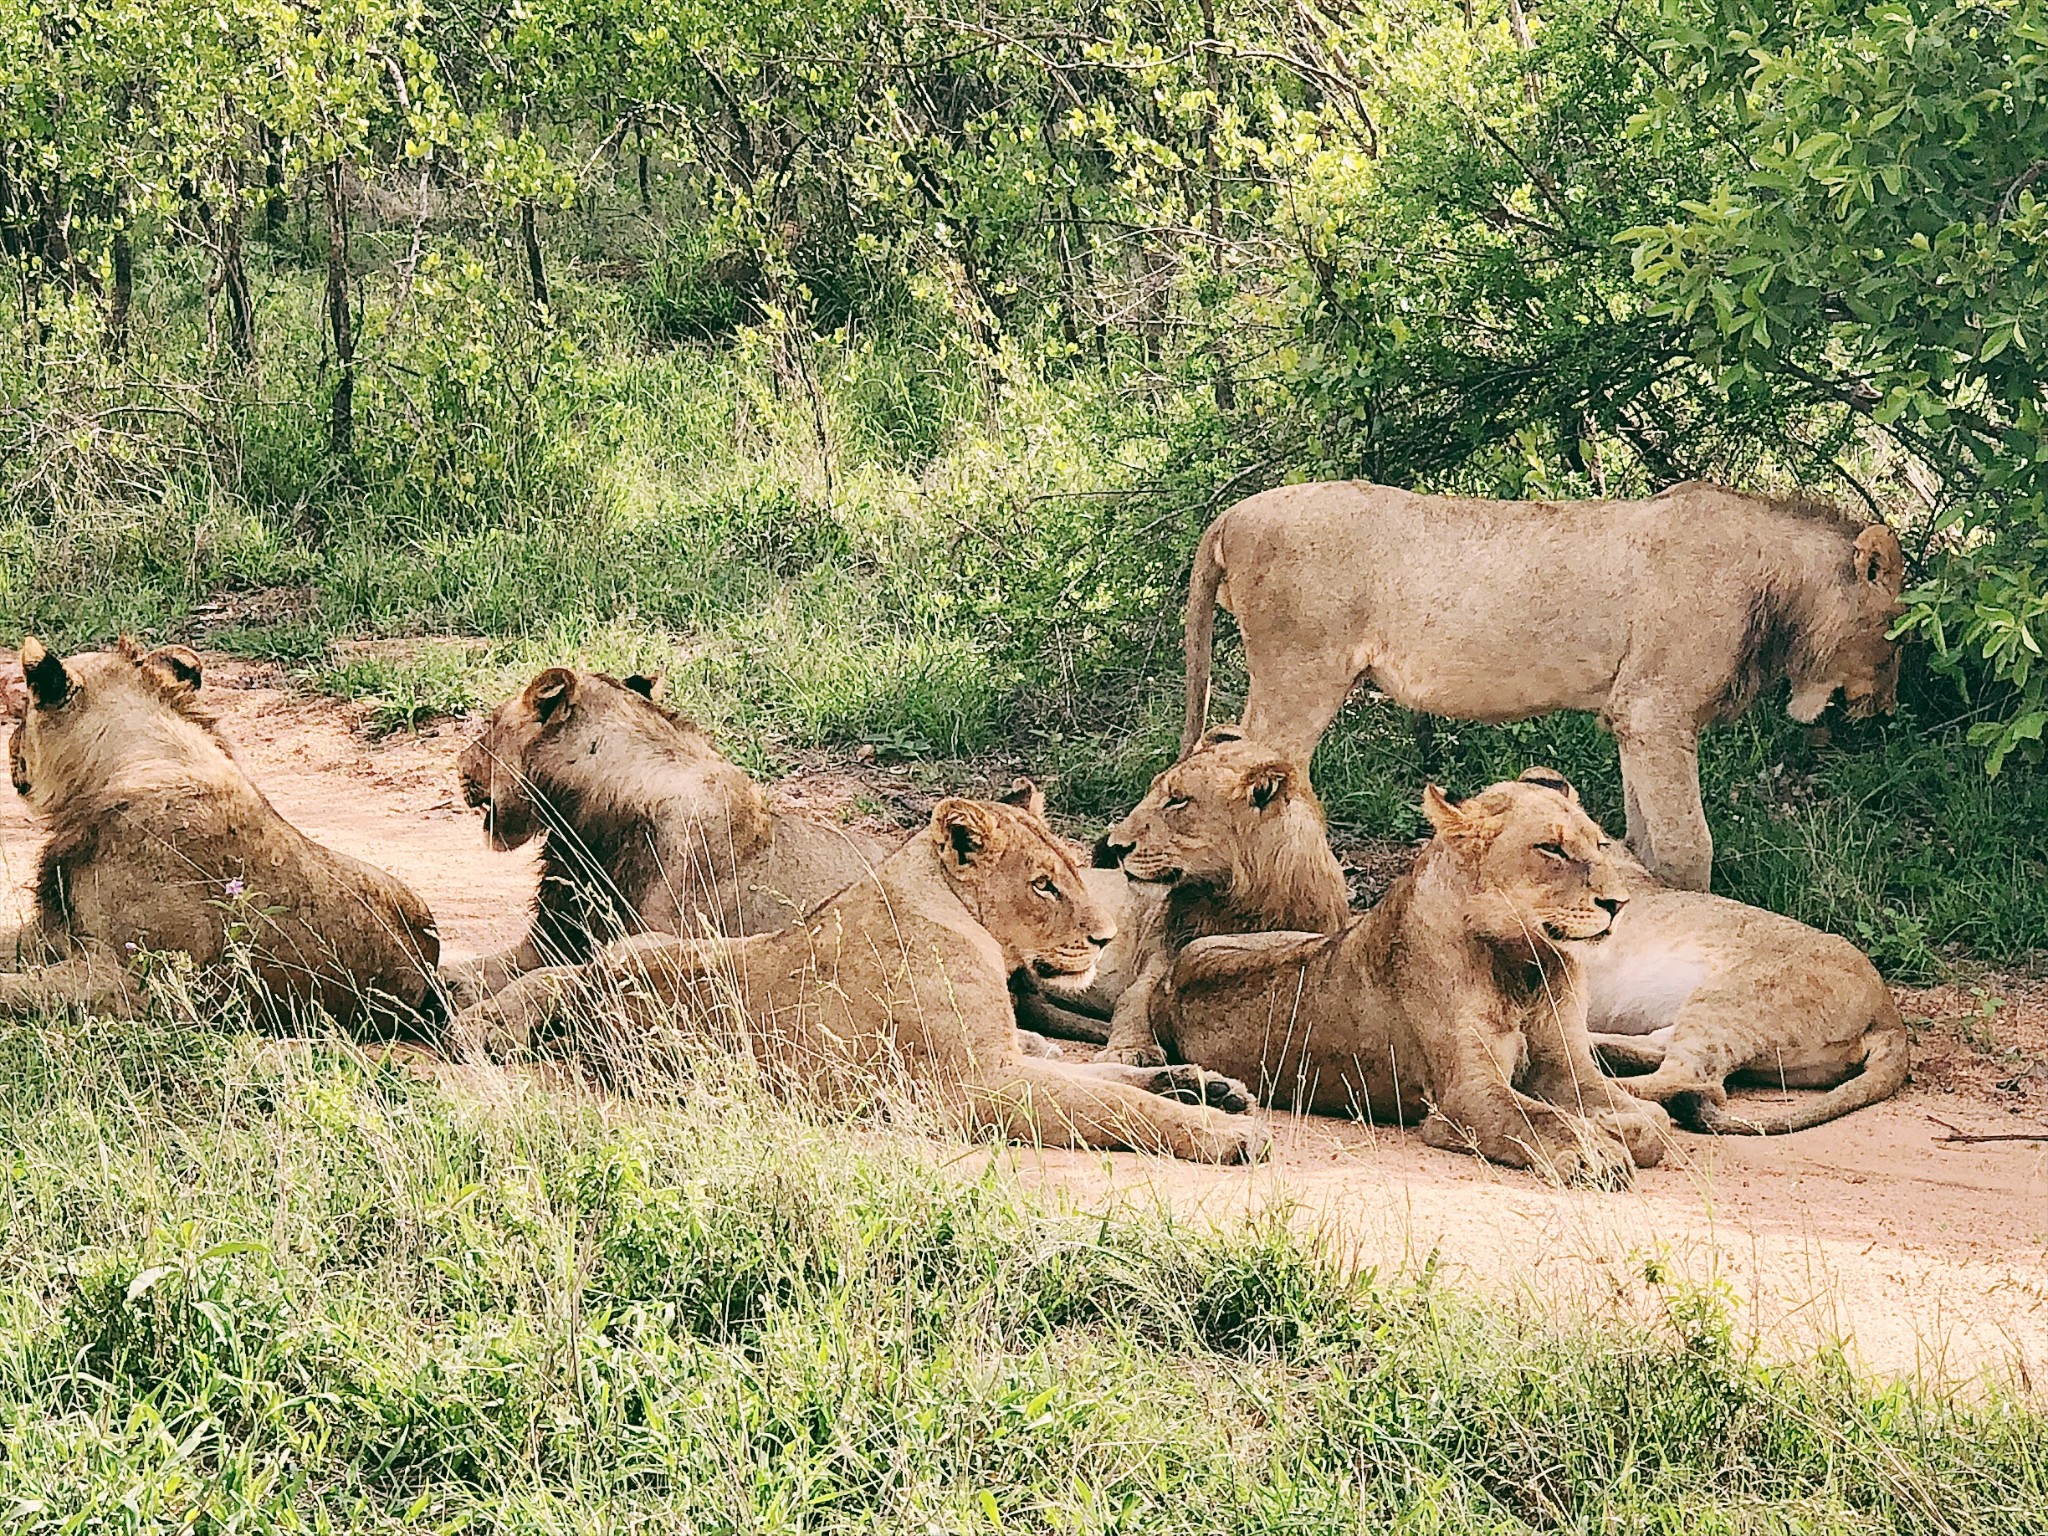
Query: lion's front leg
96, 984
1132, 1039
1472, 1066
1660, 773
1563, 1071
1053, 1104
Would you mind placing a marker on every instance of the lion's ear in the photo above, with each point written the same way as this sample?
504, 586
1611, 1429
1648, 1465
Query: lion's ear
1879, 559
964, 829
546, 694
1464, 827
1268, 783
48, 683
1027, 796
176, 665
646, 684
1550, 778
1216, 735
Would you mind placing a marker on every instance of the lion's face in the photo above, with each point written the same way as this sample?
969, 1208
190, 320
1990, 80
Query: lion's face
1202, 817
1021, 884
83, 713
1539, 867
1863, 663
499, 768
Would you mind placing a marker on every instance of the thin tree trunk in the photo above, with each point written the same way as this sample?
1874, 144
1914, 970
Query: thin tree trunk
1518, 23
341, 418
234, 287
122, 299
273, 183
536, 269
1212, 163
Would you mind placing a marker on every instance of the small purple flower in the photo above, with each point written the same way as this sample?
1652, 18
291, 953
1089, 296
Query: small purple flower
233, 887
129, 946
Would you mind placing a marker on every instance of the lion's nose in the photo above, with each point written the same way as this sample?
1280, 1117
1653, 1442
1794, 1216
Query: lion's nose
1101, 940
1611, 905
1109, 853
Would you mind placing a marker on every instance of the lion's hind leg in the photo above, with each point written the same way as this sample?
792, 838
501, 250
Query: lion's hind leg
1628, 1055
1055, 1104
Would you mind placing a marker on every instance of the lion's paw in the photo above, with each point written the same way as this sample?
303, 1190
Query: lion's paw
1644, 1129
1594, 1158
1239, 1143
1226, 1094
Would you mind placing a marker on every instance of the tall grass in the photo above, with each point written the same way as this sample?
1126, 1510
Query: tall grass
273, 1287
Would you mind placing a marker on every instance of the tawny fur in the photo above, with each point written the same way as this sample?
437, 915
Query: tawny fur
647, 827
1457, 1001
157, 841
1235, 839
901, 981
1660, 616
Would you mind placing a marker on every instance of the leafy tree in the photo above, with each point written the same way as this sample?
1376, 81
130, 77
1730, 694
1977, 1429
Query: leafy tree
1878, 234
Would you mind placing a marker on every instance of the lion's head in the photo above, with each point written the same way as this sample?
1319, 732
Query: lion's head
1021, 884
1846, 643
1238, 817
1537, 868
531, 749
86, 715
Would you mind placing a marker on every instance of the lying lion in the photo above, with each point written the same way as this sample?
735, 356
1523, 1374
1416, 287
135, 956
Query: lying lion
1659, 615
902, 979
648, 827
1457, 1001
1694, 990
157, 842
1234, 838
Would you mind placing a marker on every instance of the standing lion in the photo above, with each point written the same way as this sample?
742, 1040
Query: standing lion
158, 842
1660, 616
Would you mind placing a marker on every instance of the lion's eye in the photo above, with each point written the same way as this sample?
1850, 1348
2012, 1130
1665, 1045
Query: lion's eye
1045, 886
1552, 851
1175, 802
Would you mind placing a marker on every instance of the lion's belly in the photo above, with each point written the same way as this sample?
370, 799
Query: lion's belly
1635, 988
1451, 667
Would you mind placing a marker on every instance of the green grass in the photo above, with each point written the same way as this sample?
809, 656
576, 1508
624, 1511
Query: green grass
250, 1287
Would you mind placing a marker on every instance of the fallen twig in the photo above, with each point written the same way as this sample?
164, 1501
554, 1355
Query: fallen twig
1961, 1137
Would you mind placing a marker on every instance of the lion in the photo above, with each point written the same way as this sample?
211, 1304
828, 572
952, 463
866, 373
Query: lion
1233, 838
647, 827
1693, 990
1458, 1001
905, 978
1660, 616
158, 842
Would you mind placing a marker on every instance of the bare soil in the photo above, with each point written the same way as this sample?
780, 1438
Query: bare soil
1920, 1254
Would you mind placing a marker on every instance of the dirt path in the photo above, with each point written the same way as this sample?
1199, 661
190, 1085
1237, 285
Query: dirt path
1924, 1257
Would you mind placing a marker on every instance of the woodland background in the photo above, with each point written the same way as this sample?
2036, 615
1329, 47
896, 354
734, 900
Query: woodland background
870, 367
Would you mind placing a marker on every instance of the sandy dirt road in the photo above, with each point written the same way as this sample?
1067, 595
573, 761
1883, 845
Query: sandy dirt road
1922, 1257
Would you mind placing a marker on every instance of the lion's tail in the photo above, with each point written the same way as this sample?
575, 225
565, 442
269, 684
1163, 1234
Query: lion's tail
1883, 1074
1200, 642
